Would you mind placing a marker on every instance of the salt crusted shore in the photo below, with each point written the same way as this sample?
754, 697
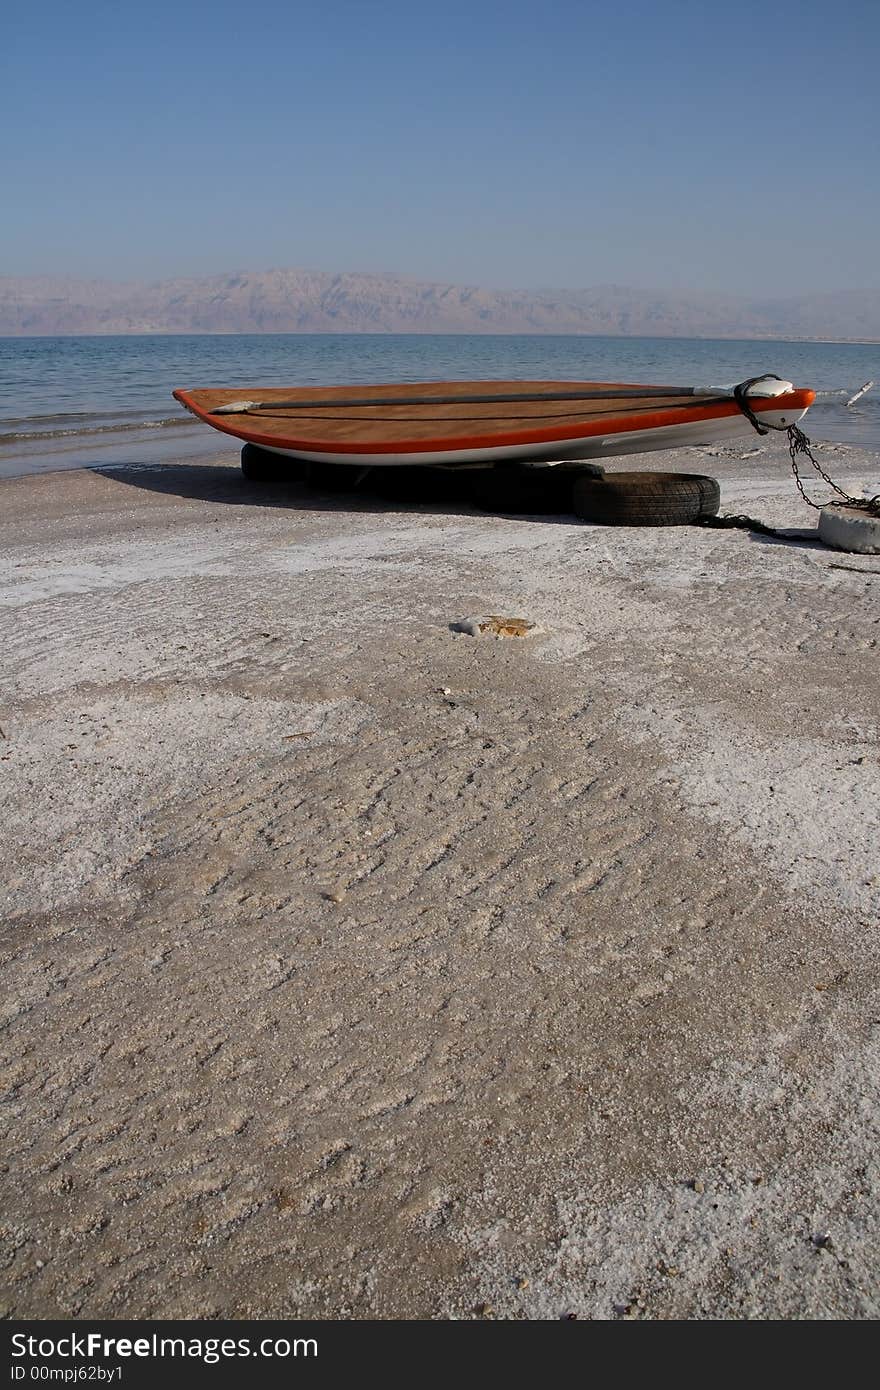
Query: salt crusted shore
359, 968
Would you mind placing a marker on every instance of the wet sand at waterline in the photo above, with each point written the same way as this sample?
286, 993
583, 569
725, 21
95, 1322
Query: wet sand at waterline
359, 968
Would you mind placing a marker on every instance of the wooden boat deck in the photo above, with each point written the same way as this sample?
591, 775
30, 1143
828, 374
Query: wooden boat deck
344, 423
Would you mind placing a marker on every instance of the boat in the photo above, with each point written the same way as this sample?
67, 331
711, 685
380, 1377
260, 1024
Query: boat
481, 423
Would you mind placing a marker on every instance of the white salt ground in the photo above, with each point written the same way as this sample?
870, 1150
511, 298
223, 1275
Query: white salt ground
358, 967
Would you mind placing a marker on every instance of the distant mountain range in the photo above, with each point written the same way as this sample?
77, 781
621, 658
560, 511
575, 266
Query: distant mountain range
302, 301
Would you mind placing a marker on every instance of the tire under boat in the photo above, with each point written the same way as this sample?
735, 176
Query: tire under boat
608, 499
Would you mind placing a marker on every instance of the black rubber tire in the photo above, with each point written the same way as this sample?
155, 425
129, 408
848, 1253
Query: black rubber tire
407, 483
646, 499
517, 490
261, 466
339, 477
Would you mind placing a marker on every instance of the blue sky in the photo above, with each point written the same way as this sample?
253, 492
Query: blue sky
672, 144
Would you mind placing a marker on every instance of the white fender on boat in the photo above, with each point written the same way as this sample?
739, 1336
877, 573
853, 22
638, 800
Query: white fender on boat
769, 387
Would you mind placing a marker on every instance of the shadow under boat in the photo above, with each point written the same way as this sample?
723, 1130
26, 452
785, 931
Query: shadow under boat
428, 492
449, 494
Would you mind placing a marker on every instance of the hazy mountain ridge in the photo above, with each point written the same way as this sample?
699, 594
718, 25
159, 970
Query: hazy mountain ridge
301, 301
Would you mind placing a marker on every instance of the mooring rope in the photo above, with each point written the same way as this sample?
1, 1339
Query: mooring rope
740, 522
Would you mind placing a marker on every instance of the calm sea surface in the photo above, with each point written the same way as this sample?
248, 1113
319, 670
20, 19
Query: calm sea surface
73, 402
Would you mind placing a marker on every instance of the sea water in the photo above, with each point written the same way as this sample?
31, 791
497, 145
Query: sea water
84, 402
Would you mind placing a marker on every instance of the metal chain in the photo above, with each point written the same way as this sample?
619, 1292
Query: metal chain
798, 443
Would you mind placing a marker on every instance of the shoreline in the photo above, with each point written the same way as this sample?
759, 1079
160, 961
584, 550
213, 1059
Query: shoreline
543, 970
81, 402
444, 333
155, 452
